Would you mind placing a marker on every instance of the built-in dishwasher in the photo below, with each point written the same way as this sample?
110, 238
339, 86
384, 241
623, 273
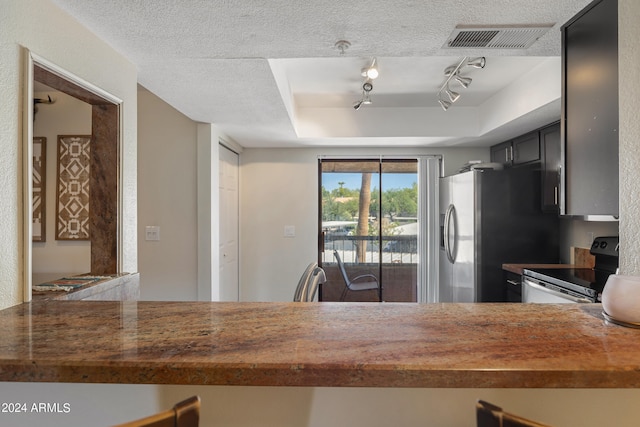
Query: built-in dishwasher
573, 285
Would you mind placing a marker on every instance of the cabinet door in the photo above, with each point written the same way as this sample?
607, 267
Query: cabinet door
526, 148
551, 167
501, 153
590, 116
513, 283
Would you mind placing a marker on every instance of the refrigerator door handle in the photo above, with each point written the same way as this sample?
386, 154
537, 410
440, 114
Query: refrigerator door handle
447, 233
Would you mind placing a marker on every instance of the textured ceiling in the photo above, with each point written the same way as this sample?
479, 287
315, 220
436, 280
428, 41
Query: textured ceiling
226, 62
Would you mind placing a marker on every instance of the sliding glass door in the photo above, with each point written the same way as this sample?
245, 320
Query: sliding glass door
368, 231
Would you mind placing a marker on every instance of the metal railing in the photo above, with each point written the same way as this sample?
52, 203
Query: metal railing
402, 249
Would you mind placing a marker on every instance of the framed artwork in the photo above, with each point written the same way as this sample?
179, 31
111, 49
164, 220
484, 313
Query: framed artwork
38, 199
72, 198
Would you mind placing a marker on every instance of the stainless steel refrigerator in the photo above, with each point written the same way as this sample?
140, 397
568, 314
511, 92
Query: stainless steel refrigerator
487, 218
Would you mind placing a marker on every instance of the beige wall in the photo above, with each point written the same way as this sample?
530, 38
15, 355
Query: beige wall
45, 30
166, 198
67, 116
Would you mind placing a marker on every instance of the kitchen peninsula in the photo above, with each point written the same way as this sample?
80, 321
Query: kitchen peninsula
318, 344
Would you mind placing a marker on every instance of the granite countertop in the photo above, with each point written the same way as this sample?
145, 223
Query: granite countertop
582, 258
318, 344
95, 285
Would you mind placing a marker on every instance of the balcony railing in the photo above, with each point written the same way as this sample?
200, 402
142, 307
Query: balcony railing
401, 249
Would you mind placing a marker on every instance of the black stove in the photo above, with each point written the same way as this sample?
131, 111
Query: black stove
583, 282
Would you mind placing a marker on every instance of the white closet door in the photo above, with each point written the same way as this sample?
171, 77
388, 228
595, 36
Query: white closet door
228, 232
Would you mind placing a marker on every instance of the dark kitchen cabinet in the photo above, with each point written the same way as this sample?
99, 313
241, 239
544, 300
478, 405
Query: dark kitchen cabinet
513, 284
526, 148
501, 153
521, 150
590, 111
551, 167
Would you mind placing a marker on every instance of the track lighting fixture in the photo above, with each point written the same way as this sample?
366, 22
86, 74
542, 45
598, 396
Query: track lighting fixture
453, 73
371, 72
367, 87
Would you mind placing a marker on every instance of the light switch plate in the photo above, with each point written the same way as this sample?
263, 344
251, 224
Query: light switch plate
289, 231
152, 233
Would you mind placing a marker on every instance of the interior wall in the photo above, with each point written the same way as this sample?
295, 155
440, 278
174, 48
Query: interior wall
577, 233
67, 116
44, 29
279, 187
167, 199
629, 105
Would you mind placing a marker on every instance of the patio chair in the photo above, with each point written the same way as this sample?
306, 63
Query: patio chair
356, 284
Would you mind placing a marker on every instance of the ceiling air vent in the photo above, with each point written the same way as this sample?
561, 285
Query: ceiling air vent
496, 37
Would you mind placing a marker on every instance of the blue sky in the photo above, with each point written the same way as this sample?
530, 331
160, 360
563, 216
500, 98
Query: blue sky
352, 180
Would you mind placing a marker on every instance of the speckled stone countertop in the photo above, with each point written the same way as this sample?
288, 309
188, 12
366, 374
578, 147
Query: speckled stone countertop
117, 287
318, 344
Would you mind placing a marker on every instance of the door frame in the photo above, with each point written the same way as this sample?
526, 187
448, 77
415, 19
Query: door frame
106, 257
430, 169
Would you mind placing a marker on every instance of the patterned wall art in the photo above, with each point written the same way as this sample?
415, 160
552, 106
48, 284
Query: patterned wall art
72, 207
38, 198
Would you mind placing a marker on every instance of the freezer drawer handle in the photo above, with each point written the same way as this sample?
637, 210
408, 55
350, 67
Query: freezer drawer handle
448, 216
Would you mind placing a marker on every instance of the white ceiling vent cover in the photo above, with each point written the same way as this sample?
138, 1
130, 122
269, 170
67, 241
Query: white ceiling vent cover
496, 37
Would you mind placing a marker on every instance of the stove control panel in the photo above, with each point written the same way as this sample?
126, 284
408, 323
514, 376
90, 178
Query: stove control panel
605, 246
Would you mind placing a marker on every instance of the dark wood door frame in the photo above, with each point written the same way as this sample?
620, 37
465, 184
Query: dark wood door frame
104, 166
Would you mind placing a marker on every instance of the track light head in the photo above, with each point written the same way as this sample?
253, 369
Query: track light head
464, 81
453, 96
479, 62
444, 104
371, 72
357, 105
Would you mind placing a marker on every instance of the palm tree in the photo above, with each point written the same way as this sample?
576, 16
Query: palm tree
363, 216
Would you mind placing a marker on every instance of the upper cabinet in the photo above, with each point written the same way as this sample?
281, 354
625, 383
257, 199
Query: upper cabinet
502, 153
589, 117
521, 150
541, 146
526, 148
551, 167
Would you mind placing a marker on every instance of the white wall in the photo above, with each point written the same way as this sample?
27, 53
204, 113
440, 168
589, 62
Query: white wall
279, 187
629, 152
578, 233
45, 30
67, 116
166, 198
